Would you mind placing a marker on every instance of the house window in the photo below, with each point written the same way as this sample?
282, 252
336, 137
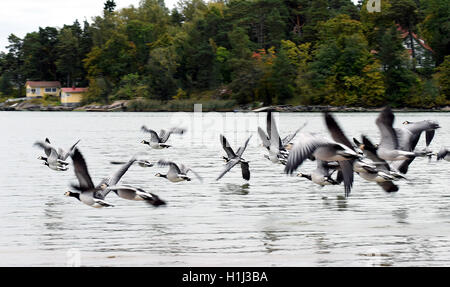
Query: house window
54, 90
28, 91
48, 90
33, 91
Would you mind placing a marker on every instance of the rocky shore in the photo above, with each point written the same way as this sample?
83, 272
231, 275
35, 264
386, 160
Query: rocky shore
121, 106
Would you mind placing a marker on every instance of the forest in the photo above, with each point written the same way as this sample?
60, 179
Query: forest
248, 52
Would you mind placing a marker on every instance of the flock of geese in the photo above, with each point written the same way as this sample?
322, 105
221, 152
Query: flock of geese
338, 159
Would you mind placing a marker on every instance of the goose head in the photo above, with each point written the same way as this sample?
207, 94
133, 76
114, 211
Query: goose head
407, 122
72, 194
145, 142
160, 175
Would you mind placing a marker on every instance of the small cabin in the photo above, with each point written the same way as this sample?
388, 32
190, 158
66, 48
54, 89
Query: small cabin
71, 97
38, 89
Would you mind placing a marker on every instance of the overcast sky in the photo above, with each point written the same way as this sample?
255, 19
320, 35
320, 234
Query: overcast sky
23, 16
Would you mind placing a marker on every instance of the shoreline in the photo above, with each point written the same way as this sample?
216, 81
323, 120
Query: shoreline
122, 106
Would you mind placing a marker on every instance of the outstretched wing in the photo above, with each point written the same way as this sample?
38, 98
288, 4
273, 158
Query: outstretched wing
264, 138
230, 164
302, 150
81, 171
114, 178
272, 131
245, 170
64, 155
385, 122
45, 146
336, 132
371, 152
173, 167
287, 139
241, 150
153, 134
347, 174
164, 136
226, 147
185, 170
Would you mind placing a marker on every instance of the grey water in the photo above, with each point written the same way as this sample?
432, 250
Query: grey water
271, 220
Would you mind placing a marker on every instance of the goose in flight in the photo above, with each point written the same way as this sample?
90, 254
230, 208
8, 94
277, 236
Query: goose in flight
137, 194
322, 175
325, 150
159, 141
383, 175
176, 172
87, 192
61, 154
408, 137
54, 163
277, 147
141, 163
233, 158
389, 148
126, 191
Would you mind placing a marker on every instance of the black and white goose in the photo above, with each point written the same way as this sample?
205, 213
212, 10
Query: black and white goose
159, 141
62, 155
277, 147
389, 148
383, 175
322, 175
54, 163
176, 173
87, 192
444, 154
137, 194
324, 149
408, 137
233, 159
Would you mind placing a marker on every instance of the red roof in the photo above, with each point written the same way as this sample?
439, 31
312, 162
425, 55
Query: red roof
74, 90
405, 33
43, 84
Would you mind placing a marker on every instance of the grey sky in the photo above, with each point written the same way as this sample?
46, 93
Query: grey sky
22, 16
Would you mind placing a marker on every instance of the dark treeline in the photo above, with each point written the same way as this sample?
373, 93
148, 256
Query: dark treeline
271, 51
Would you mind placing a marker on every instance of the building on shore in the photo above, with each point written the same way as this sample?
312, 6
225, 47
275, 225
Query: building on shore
72, 97
416, 47
38, 89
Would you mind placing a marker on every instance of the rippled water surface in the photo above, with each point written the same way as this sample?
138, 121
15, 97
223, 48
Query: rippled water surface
273, 220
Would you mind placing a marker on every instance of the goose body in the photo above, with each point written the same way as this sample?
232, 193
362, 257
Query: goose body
159, 141
53, 163
87, 192
321, 175
233, 158
61, 154
136, 194
278, 148
176, 173
389, 148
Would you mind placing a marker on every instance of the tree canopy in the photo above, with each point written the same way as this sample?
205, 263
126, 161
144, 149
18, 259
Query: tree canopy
323, 52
